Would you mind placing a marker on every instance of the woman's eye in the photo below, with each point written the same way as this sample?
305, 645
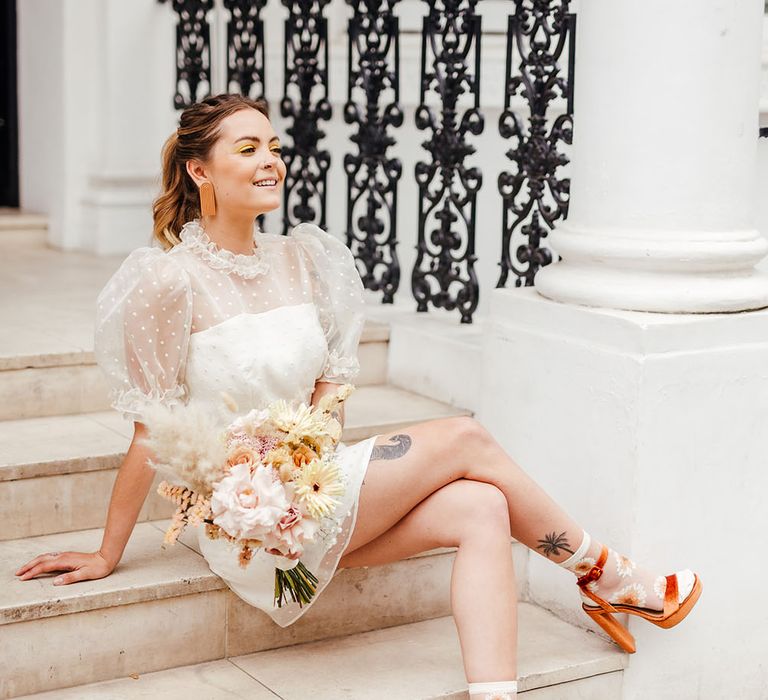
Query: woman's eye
276, 150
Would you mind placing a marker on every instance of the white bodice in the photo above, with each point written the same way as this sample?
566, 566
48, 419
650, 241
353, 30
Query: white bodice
197, 321
258, 358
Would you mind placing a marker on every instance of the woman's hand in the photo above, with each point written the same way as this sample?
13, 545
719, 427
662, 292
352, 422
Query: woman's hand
81, 566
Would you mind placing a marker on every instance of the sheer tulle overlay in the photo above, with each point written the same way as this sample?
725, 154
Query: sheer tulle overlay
195, 322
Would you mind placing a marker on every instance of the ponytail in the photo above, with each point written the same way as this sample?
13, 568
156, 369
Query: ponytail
176, 204
179, 200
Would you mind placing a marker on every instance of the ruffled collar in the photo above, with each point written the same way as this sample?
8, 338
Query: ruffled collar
194, 238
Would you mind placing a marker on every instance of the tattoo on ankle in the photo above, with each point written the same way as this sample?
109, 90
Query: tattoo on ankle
553, 545
401, 446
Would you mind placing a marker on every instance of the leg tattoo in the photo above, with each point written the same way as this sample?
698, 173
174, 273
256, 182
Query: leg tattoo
552, 544
401, 446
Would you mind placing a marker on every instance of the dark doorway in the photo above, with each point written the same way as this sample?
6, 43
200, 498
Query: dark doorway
9, 113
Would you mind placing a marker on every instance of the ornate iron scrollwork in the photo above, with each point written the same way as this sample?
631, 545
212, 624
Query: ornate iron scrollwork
305, 102
193, 52
245, 48
444, 272
534, 196
372, 176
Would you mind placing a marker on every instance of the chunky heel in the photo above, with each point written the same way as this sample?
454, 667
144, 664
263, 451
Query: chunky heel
674, 612
615, 630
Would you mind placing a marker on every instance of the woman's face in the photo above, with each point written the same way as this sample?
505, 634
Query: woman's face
244, 165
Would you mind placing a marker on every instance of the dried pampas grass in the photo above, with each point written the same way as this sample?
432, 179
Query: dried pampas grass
187, 444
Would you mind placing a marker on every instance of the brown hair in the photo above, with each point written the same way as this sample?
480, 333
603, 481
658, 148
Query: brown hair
198, 131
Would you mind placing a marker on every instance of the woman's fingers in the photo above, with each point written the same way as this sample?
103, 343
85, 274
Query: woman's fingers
80, 574
45, 564
33, 562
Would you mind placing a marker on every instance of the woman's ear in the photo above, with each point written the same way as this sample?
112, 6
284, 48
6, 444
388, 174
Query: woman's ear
197, 172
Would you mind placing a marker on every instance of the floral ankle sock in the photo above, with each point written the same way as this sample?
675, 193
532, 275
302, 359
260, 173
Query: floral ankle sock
623, 581
498, 690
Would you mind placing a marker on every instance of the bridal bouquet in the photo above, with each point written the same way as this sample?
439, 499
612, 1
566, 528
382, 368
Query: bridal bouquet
267, 480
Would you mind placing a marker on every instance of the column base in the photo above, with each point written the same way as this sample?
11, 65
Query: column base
662, 292
657, 270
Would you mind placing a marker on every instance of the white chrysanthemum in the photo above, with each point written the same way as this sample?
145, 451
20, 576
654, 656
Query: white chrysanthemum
187, 444
317, 487
248, 506
660, 586
632, 594
298, 422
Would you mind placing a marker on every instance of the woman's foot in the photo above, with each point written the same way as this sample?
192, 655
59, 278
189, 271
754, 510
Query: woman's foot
623, 582
612, 583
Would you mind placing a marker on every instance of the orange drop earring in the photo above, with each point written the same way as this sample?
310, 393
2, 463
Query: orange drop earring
207, 200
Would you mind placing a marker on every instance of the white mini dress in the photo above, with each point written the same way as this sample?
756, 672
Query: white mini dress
197, 321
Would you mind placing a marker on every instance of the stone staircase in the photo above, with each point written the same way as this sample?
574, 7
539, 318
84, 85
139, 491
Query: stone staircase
162, 625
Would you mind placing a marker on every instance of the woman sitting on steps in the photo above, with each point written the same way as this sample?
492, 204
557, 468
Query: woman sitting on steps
221, 306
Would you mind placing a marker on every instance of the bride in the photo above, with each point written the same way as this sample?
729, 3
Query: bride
219, 306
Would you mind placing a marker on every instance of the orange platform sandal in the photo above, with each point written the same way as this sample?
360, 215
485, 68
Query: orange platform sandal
674, 610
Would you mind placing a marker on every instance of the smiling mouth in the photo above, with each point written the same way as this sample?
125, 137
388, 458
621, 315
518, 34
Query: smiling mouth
269, 182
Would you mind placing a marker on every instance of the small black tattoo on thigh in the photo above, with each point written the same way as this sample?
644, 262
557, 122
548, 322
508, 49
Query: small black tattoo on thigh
553, 544
402, 443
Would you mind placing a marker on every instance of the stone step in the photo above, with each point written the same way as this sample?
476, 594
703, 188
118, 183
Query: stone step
56, 473
163, 608
19, 229
416, 661
63, 380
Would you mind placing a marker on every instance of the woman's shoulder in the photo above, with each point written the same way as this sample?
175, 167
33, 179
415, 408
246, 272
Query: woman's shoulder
148, 266
319, 245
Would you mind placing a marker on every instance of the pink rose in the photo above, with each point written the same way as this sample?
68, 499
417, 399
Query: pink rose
290, 534
248, 505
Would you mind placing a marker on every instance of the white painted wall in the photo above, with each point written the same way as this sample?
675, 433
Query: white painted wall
95, 107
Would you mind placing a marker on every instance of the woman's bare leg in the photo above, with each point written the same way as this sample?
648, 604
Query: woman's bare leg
409, 465
473, 517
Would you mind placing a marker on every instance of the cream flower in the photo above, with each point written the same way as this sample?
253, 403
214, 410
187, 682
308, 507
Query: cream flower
633, 594
317, 487
660, 586
298, 423
248, 506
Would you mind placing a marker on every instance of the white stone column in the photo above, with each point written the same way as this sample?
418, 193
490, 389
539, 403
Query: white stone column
649, 428
664, 154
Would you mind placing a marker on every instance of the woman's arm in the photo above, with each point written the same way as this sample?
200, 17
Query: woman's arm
132, 484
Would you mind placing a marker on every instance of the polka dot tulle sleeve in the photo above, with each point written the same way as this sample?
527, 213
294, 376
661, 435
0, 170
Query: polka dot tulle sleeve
338, 295
143, 321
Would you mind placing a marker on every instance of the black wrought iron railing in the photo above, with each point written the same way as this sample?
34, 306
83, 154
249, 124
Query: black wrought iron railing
536, 122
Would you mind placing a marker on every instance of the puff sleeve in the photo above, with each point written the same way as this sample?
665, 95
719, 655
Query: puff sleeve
337, 292
143, 322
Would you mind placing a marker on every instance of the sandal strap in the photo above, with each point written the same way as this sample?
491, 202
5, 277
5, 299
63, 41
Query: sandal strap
593, 575
671, 602
596, 571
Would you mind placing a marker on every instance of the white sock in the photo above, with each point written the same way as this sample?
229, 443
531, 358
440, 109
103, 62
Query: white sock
497, 690
579, 554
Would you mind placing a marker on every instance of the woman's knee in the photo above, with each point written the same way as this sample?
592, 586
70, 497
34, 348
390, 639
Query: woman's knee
478, 508
469, 437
